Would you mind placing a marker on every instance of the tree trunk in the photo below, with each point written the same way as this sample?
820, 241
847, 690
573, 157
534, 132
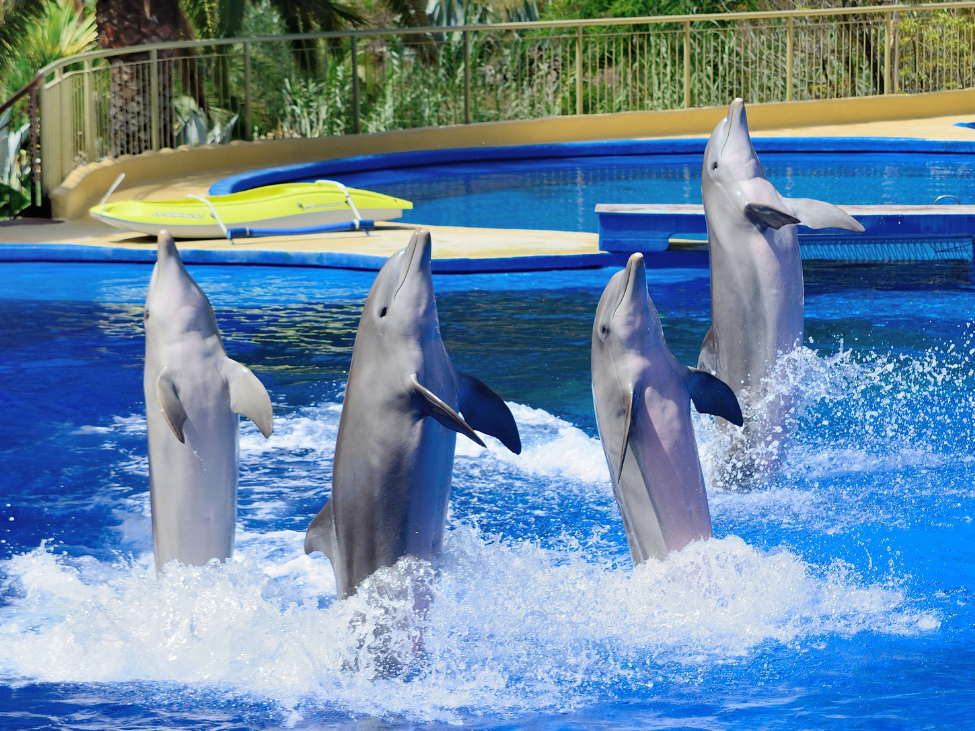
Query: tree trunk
124, 23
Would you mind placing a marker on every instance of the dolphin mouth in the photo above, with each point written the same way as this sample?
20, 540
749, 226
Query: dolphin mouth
733, 120
417, 255
634, 267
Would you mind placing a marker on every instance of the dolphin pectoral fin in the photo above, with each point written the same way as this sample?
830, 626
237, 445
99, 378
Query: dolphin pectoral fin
765, 216
707, 360
713, 396
248, 397
320, 535
433, 405
170, 404
628, 418
485, 411
819, 214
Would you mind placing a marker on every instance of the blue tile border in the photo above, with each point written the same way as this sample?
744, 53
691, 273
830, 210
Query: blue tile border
672, 146
333, 260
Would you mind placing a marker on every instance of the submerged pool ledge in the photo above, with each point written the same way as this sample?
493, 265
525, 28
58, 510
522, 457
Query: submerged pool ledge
891, 233
77, 253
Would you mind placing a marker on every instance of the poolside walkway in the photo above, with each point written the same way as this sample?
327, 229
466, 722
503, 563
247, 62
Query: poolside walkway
454, 248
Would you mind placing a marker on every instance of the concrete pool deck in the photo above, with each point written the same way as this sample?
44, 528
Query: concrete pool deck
455, 249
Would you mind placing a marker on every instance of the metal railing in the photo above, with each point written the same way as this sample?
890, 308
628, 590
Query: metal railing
120, 101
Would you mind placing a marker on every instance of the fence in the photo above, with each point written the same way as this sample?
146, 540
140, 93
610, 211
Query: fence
115, 102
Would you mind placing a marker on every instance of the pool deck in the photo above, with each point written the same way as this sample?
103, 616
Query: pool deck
455, 249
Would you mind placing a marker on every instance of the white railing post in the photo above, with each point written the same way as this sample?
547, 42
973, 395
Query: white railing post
888, 37
467, 77
897, 55
89, 104
248, 118
579, 69
68, 127
687, 64
789, 61
355, 86
50, 135
154, 98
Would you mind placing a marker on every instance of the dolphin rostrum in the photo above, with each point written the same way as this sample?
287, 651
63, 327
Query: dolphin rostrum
394, 452
194, 393
642, 396
756, 279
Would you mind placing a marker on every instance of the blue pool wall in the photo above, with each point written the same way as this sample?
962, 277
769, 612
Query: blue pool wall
609, 148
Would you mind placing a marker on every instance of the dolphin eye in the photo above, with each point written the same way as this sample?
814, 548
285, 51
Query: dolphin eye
604, 330
145, 315
714, 166
382, 312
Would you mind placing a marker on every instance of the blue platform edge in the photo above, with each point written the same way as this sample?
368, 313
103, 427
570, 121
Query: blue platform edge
672, 146
891, 236
332, 260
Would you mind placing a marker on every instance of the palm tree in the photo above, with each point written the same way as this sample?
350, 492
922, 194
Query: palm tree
125, 23
56, 29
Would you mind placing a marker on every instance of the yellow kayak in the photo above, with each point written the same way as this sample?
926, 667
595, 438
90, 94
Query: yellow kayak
283, 208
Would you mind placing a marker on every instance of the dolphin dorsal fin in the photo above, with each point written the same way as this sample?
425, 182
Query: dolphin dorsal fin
487, 412
248, 397
169, 403
819, 214
432, 405
765, 216
320, 535
713, 396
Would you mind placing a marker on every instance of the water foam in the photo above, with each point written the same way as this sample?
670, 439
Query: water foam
512, 627
857, 413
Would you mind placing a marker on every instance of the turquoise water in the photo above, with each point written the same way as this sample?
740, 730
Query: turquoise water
561, 194
836, 595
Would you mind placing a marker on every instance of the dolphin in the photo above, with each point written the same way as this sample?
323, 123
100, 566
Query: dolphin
756, 278
642, 397
394, 452
194, 393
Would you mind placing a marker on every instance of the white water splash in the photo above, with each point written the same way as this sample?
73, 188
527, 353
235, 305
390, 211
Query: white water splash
512, 627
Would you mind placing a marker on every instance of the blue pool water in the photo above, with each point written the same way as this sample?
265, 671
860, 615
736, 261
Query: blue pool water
561, 194
837, 595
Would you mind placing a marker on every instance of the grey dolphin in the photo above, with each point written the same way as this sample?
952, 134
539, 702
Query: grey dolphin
394, 452
642, 396
756, 278
194, 393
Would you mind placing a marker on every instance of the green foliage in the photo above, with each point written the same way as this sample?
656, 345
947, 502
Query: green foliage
316, 108
215, 18
12, 202
195, 127
59, 30
565, 9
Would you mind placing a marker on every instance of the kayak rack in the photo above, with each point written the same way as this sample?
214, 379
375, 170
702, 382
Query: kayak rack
245, 232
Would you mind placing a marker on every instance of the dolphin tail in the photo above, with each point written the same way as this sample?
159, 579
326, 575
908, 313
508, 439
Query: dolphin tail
434, 406
819, 214
320, 535
485, 411
713, 396
248, 397
169, 403
708, 358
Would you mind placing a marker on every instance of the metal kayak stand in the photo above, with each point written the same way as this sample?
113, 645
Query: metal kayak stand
245, 232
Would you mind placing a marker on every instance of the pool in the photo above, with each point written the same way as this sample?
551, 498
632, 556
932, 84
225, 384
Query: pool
839, 594
556, 187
